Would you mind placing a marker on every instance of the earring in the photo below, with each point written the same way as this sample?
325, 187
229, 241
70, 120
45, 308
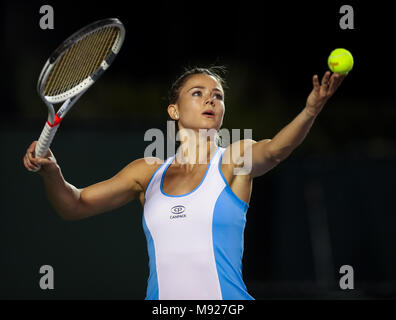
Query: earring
177, 116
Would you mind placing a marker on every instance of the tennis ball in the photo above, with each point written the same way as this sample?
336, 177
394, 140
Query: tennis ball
340, 61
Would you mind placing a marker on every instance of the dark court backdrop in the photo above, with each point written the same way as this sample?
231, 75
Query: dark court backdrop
331, 203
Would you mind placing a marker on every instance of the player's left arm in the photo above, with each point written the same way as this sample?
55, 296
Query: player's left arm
266, 154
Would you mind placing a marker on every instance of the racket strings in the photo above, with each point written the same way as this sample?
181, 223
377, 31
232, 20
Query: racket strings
80, 61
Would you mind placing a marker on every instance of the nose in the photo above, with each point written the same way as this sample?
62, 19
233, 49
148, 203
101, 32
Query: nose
210, 101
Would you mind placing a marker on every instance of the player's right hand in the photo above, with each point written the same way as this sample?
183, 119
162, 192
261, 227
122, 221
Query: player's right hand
41, 165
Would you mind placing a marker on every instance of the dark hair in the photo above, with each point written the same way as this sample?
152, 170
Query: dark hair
214, 71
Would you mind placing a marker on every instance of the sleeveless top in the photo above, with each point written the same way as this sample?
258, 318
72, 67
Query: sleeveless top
195, 240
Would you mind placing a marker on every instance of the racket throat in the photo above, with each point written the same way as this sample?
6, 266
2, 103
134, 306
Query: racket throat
57, 121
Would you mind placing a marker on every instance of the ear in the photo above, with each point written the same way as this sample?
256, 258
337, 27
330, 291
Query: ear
173, 111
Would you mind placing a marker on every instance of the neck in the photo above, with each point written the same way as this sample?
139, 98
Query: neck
195, 149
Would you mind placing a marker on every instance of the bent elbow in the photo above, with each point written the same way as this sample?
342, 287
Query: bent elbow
71, 214
68, 216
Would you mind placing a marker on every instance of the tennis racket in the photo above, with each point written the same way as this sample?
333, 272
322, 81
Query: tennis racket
72, 68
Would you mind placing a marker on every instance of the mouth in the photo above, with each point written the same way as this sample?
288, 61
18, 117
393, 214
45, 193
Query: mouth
208, 113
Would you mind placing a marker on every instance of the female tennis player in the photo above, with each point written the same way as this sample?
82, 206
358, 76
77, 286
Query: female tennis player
194, 205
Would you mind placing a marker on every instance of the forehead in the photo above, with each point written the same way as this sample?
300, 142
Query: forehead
204, 80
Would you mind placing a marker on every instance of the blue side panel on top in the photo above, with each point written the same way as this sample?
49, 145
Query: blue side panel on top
152, 284
229, 218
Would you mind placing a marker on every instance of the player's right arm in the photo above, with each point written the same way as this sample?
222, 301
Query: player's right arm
72, 203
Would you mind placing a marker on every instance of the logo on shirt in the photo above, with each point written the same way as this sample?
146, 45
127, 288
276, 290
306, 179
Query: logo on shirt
177, 212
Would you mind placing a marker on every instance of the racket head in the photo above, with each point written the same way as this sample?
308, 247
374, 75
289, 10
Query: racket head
80, 60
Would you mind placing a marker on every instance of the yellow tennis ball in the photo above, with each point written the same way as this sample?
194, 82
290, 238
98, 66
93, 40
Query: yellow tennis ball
340, 61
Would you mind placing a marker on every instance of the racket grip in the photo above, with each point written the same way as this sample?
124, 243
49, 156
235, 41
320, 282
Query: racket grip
44, 142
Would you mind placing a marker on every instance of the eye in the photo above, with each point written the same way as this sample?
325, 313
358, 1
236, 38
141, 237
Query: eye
197, 93
219, 96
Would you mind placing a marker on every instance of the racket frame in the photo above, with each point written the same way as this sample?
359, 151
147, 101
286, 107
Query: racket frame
70, 97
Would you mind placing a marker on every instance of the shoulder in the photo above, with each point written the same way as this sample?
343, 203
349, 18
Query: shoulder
236, 150
241, 156
141, 170
144, 165
146, 162
241, 144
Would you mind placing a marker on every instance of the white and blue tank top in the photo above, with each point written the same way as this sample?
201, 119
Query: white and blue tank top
195, 240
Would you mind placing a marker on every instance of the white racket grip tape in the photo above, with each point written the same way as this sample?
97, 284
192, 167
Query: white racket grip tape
44, 142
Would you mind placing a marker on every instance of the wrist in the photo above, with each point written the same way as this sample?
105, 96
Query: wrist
310, 113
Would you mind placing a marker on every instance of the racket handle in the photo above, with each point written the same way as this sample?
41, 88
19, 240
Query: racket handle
44, 142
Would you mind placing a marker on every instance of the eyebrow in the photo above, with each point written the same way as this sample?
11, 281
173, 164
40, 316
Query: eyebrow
201, 87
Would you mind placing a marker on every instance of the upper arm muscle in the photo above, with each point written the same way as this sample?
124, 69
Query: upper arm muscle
110, 194
262, 159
